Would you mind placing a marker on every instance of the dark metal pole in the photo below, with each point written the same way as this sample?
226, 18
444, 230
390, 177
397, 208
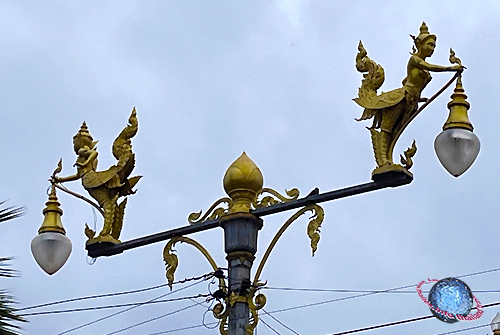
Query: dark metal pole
240, 244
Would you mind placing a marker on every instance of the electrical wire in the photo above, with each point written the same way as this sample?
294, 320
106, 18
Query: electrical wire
404, 321
125, 310
114, 306
355, 291
205, 276
181, 329
268, 326
463, 330
373, 293
92, 297
278, 321
154, 319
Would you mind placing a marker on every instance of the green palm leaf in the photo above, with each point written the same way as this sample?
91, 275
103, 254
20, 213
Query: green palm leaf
8, 313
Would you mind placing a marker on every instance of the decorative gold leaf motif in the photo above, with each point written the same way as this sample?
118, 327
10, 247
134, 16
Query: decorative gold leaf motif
274, 198
313, 228
408, 155
221, 312
213, 212
171, 260
312, 231
254, 304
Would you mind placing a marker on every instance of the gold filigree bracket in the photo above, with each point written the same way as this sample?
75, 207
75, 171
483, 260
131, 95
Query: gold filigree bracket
221, 312
274, 198
172, 261
313, 231
257, 302
213, 213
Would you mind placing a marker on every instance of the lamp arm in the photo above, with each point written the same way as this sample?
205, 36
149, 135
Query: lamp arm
312, 230
421, 108
79, 196
438, 93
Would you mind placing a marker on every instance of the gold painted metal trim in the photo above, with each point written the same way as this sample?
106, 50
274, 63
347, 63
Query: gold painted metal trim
276, 197
221, 312
313, 230
257, 302
213, 212
172, 261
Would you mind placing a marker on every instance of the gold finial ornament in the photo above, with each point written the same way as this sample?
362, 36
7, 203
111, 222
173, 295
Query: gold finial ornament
52, 215
393, 111
107, 186
242, 181
458, 106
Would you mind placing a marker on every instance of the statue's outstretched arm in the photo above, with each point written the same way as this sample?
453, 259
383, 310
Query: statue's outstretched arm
65, 179
436, 68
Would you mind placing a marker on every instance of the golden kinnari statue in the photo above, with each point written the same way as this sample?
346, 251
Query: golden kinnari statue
107, 186
392, 111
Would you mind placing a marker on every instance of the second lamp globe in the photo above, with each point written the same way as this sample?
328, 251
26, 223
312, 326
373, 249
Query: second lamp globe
457, 146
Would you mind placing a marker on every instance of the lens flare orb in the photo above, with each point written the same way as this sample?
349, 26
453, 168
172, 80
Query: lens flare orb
451, 300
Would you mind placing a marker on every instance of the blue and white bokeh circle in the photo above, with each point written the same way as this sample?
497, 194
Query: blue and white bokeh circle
450, 295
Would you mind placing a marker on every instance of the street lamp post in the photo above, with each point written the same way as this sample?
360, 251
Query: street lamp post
241, 221
240, 213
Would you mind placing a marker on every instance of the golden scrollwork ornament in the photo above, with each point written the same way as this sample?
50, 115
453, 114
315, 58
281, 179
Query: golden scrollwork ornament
274, 198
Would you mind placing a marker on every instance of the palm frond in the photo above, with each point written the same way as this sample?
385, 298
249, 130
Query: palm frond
5, 271
11, 212
8, 315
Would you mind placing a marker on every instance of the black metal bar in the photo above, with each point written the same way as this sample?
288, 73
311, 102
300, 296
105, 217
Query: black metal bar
108, 249
394, 179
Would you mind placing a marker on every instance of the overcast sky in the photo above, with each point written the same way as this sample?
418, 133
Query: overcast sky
275, 79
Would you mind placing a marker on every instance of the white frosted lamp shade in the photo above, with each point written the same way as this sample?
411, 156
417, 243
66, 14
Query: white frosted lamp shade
495, 323
456, 149
51, 250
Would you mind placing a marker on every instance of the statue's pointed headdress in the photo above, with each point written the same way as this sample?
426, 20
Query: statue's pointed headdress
83, 138
424, 35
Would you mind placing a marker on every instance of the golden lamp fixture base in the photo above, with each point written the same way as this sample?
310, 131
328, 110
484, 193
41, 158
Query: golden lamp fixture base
393, 111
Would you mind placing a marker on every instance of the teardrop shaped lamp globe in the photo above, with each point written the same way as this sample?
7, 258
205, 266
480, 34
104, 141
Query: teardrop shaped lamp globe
51, 250
457, 149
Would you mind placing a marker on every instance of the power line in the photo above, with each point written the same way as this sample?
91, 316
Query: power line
268, 326
405, 321
355, 291
182, 329
465, 329
92, 297
278, 321
125, 310
373, 293
205, 276
114, 306
153, 319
